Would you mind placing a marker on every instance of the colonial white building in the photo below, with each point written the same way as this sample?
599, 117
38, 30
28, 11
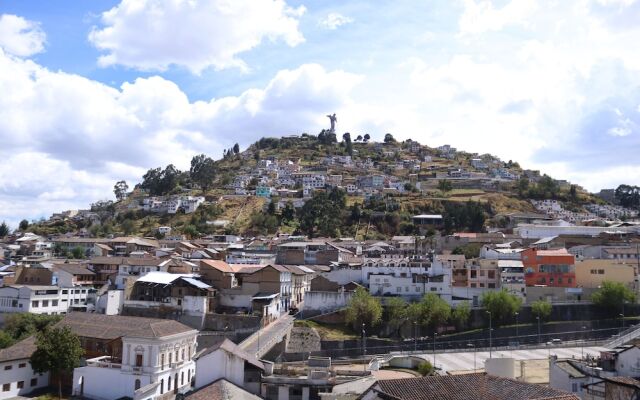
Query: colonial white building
157, 359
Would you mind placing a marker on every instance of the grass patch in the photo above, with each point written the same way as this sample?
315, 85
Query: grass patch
329, 332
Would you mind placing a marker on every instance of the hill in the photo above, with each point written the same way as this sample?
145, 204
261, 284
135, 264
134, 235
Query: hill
321, 186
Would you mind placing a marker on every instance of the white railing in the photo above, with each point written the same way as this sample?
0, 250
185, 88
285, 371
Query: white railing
103, 362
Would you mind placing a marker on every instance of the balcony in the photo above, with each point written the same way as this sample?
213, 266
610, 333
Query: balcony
104, 362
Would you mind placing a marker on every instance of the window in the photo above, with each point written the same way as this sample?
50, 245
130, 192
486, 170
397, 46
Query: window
137, 384
20, 384
574, 387
35, 303
138, 360
8, 367
162, 361
162, 385
45, 303
169, 383
6, 387
65, 291
183, 354
181, 378
34, 382
54, 303
433, 289
22, 365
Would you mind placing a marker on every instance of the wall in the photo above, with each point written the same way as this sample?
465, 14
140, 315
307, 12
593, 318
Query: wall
219, 364
111, 302
326, 301
16, 374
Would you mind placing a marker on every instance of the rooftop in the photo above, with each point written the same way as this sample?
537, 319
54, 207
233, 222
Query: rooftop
111, 327
467, 387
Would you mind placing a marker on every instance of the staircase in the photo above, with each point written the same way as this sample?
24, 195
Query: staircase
626, 336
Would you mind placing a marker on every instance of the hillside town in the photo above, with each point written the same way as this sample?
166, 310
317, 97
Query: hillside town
172, 315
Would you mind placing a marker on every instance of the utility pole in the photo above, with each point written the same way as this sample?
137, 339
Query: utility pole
415, 336
517, 338
364, 348
490, 334
435, 334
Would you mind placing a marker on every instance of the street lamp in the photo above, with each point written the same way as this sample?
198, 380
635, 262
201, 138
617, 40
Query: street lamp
538, 318
582, 350
435, 334
364, 347
474, 355
415, 336
490, 334
517, 338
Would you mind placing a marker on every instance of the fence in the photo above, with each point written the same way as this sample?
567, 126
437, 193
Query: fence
595, 337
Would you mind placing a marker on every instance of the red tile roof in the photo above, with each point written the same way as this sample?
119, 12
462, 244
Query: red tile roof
466, 387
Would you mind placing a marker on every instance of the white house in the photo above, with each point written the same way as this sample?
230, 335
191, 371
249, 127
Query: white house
226, 360
157, 359
16, 376
42, 299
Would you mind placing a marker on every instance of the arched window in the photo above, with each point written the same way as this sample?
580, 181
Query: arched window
162, 385
169, 383
181, 378
137, 385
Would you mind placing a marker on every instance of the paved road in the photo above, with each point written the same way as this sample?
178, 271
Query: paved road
263, 340
463, 361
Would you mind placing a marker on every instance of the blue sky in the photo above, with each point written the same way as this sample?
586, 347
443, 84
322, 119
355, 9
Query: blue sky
97, 91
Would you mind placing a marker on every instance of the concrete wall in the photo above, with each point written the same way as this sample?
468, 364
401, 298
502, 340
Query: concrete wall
326, 301
219, 364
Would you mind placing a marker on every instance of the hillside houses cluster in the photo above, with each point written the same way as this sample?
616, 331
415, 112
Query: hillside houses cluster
148, 298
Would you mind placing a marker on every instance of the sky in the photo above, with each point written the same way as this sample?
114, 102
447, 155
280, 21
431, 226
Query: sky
92, 92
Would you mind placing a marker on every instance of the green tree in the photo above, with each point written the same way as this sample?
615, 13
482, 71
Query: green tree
367, 137
57, 349
363, 308
388, 138
425, 368
78, 253
288, 212
395, 312
5, 340
203, 171
469, 250
613, 295
460, 315
323, 213
21, 325
435, 310
523, 186
4, 229
191, 231
24, 224
120, 190
444, 185
127, 227
542, 309
236, 148
501, 304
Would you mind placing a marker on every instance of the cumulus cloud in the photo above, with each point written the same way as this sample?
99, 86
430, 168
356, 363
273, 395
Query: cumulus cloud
20, 37
482, 16
334, 20
78, 136
155, 34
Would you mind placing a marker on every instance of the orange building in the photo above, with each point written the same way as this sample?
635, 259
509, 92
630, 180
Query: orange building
554, 268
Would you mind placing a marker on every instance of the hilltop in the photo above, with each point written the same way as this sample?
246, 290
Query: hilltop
379, 187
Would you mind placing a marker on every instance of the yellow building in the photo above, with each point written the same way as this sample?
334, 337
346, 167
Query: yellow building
591, 273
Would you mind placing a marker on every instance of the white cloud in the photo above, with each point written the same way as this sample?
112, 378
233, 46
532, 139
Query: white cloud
155, 34
67, 139
20, 37
334, 20
481, 16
